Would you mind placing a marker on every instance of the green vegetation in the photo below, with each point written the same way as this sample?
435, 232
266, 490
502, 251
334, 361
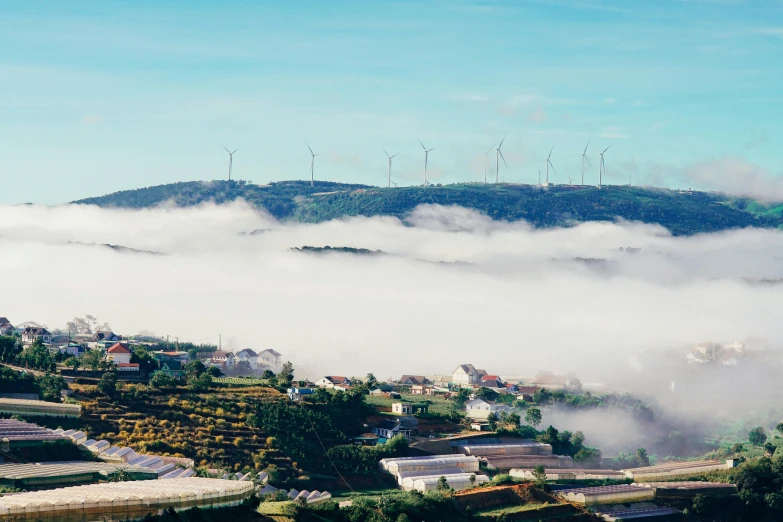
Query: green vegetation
48, 386
398, 507
682, 213
438, 406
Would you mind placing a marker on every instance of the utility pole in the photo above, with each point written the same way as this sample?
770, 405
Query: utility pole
220, 342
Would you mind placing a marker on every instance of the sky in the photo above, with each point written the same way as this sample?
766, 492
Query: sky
100, 96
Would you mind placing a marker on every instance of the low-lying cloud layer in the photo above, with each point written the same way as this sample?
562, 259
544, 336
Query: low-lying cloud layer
454, 286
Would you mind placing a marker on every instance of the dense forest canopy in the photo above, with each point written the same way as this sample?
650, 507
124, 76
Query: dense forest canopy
683, 213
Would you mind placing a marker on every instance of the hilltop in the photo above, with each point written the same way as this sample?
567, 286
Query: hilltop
683, 213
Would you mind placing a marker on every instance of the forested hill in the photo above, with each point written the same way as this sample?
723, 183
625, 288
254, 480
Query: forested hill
683, 213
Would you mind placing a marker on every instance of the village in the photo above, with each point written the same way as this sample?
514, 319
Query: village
199, 413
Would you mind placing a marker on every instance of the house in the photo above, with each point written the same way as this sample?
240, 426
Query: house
480, 409
128, 367
249, 356
493, 384
222, 359
389, 428
181, 357
408, 380
526, 392
420, 389
106, 336
466, 375
6, 328
32, 334
173, 368
342, 387
270, 358
402, 408
297, 394
119, 353
330, 381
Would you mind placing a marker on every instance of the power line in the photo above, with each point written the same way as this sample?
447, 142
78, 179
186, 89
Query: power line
307, 413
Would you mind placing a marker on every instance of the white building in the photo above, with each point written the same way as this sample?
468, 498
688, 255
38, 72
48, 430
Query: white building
120, 354
249, 356
6, 328
389, 429
32, 334
466, 375
270, 358
330, 381
480, 409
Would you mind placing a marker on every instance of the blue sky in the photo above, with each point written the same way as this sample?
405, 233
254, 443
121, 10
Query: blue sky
106, 95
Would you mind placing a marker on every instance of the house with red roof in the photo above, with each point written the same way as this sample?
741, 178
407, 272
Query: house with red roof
120, 354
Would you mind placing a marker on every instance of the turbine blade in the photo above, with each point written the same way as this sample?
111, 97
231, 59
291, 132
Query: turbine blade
234, 151
308, 147
553, 167
490, 149
588, 144
504, 159
384, 151
226, 149
501, 141
550, 153
607, 148
422, 145
588, 161
395, 154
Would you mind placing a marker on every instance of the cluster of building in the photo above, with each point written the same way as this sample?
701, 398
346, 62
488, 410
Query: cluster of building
119, 351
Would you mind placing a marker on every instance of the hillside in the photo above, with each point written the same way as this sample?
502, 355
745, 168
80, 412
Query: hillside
683, 213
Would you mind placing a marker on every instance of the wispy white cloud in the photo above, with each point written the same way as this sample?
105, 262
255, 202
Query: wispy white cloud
538, 115
93, 119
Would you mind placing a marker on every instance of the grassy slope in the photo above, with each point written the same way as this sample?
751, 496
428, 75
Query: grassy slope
681, 213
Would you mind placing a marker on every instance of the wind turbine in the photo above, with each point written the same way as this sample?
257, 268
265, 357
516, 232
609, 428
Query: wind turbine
498, 155
584, 158
549, 164
486, 163
426, 155
539, 177
390, 158
230, 160
602, 166
312, 163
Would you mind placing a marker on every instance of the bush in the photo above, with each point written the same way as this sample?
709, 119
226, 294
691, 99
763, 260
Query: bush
757, 436
108, 384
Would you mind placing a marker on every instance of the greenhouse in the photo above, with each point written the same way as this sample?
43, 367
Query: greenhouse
39, 408
17, 433
123, 499
570, 474
408, 483
455, 482
52, 474
619, 494
528, 461
467, 464
443, 471
669, 470
688, 489
526, 448
642, 511
384, 463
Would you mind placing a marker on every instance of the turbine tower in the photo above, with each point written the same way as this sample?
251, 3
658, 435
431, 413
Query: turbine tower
549, 164
486, 163
426, 155
390, 158
230, 160
602, 166
498, 155
312, 164
584, 158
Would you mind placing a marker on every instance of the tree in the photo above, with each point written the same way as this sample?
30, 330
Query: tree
145, 359
161, 381
72, 362
371, 381
286, 374
50, 387
492, 419
92, 359
513, 419
641, 457
539, 473
108, 384
757, 436
443, 485
533, 417
195, 368
472, 479
86, 325
268, 374
461, 397
214, 371
737, 448
779, 427
199, 383
487, 394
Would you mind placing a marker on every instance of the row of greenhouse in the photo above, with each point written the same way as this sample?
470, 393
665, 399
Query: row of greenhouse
309, 497
38, 408
124, 499
425, 473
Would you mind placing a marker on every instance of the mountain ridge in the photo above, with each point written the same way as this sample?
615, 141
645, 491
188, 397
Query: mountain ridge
681, 212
